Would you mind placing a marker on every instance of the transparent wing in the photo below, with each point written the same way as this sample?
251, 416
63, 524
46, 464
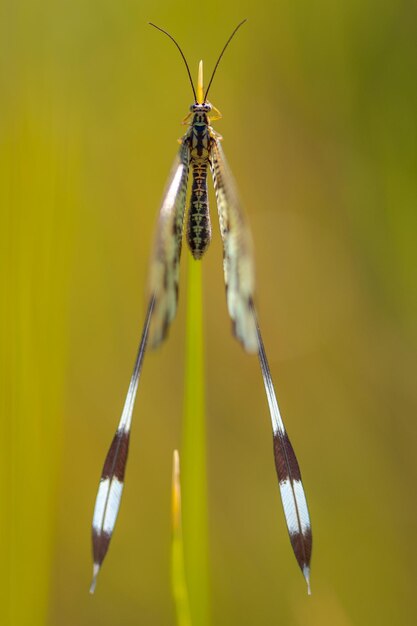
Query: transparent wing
238, 256
164, 268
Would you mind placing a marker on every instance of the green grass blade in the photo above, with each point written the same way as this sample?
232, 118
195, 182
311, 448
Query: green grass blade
179, 584
194, 479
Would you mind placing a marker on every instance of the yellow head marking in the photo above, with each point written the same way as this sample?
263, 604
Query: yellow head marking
200, 90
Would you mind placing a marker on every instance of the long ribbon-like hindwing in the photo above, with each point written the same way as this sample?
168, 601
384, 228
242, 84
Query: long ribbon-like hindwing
288, 471
163, 301
112, 477
238, 271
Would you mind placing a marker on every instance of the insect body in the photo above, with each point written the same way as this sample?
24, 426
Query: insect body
199, 140
201, 150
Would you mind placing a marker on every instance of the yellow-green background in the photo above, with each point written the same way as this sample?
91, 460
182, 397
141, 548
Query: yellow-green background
320, 104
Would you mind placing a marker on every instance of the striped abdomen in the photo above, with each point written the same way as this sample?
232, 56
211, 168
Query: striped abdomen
199, 226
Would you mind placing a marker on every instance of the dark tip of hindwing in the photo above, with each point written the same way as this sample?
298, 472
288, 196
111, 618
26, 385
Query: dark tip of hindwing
101, 541
108, 499
294, 502
302, 547
286, 462
116, 459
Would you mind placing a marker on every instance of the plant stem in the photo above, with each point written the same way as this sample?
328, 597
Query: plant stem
194, 479
179, 584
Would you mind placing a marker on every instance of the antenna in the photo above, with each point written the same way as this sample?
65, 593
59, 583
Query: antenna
221, 54
182, 54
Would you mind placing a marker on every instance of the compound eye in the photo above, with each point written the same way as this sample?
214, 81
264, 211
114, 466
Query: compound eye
192, 108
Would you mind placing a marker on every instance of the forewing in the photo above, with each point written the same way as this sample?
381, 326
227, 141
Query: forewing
237, 251
164, 269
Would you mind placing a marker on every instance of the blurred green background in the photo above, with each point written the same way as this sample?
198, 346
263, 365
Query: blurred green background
320, 103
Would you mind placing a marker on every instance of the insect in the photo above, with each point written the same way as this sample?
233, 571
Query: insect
201, 150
